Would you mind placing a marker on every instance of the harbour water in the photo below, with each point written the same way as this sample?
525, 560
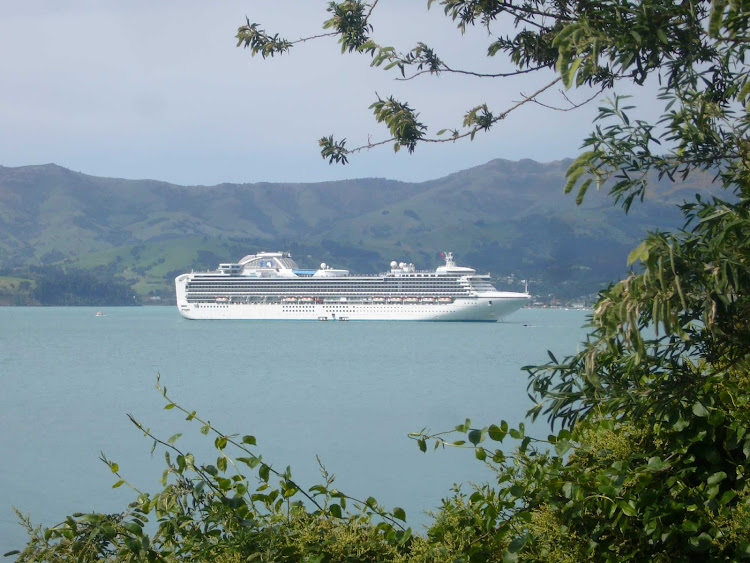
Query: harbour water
348, 393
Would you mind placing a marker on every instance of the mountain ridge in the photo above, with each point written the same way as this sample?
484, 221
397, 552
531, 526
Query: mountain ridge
508, 217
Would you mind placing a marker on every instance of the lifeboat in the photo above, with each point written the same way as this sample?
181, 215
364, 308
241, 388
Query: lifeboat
428, 299
445, 299
222, 299
411, 300
395, 300
305, 299
378, 299
290, 299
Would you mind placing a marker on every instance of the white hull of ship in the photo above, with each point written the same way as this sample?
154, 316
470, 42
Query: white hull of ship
489, 308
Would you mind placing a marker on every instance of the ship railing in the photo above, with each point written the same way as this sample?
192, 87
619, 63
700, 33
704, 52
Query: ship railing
329, 295
323, 300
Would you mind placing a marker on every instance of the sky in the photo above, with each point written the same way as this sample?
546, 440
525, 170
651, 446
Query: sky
159, 90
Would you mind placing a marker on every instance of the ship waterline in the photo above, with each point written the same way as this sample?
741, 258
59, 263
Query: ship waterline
270, 286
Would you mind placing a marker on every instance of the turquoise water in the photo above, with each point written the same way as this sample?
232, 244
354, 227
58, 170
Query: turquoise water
346, 392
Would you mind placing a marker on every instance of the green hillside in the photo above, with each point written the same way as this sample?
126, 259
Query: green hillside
509, 218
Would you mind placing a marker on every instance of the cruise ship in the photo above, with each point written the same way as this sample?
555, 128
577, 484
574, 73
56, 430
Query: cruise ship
270, 286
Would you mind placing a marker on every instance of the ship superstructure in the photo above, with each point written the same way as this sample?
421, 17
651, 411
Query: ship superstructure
270, 285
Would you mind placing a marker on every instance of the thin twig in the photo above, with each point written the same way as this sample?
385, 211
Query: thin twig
573, 105
236, 444
446, 68
372, 7
241, 446
303, 39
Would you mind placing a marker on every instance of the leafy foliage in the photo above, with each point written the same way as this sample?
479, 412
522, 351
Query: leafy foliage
58, 286
650, 450
259, 42
236, 507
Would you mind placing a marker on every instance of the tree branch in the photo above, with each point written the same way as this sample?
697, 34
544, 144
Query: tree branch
471, 132
448, 69
573, 105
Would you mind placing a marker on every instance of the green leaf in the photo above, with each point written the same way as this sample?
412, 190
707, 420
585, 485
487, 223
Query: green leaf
169, 406
627, 508
715, 19
569, 489
174, 438
399, 513
496, 433
716, 418
582, 190
562, 447
517, 491
655, 464
475, 437
264, 472
742, 96
680, 425
118, 484
699, 410
573, 179
517, 544
569, 72
335, 510
716, 478
727, 497
689, 526
640, 252
132, 527
249, 440
702, 542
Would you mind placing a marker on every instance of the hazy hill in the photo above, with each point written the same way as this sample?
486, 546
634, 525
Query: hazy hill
505, 217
